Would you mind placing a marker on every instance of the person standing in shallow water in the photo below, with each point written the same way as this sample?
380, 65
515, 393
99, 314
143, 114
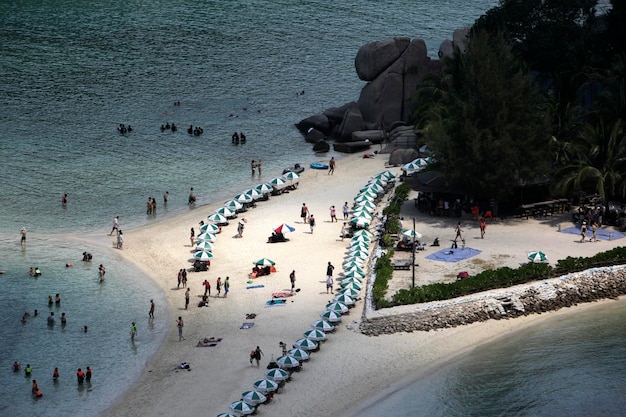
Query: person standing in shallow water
151, 312
253, 166
331, 166
133, 331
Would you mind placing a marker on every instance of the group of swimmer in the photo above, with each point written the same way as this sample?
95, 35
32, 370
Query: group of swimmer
196, 131
238, 138
124, 129
81, 377
167, 126
34, 272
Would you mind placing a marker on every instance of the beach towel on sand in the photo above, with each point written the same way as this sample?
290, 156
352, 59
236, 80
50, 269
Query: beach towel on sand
249, 287
281, 294
453, 255
246, 326
275, 302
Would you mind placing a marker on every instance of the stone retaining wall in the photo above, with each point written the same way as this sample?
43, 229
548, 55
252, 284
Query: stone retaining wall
553, 294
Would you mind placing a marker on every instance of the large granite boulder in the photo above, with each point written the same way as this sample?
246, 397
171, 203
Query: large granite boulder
374, 136
318, 122
374, 57
402, 156
321, 146
402, 137
314, 135
352, 121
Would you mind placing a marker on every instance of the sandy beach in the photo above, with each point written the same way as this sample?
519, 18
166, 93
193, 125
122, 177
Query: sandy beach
349, 367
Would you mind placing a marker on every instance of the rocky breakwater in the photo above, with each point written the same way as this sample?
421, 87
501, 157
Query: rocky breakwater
553, 294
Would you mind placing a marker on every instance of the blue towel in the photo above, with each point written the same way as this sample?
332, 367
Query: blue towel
453, 255
254, 286
601, 234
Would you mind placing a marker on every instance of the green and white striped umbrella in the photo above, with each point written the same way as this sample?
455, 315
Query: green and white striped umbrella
364, 233
205, 246
264, 262
411, 233
288, 362
360, 222
344, 299
242, 407
292, 176
361, 238
264, 188
306, 344
358, 249
377, 189
253, 192
331, 316
537, 256
203, 256
265, 385
253, 397
378, 181
244, 198
351, 279
277, 182
363, 213
276, 374
388, 175
366, 196
206, 237
359, 244
300, 354
366, 205
355, 268
315, 335
350, 264
209, 227
225, 211
359, 254
350, 292
323, 325
337, 307
354, 274
233, 205
351, 284
218, 218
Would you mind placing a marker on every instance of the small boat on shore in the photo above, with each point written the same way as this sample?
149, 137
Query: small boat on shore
318, 165
297, 168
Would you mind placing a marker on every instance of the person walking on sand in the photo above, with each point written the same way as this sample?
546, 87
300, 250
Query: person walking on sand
226, 287
483, 226
151, 312
346, 211
120, 240
459, 233
304, 212
583, 231
180, 324
312, 223
180, 278
257, 355
187, 295
329, 284
218, 286
594, 231
331, 166
207, 287
23, 239
133, 331
192, 237
116, 225
292, 278
333, 214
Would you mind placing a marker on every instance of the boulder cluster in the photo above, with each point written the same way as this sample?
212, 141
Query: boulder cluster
535, 298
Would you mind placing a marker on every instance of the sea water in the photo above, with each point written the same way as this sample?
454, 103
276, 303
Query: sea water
71, 71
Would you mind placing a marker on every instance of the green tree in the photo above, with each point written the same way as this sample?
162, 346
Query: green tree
486, 125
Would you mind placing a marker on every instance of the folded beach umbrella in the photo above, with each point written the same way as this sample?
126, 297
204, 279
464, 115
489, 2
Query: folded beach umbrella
242, 407
206, 237
323, 325
288, 362
233, 205
344, 299
243, 198
306, 344
350, 292
284, 228
210, 228
277, 182
264, 188
203, 256
291, 176
225, 211
411, 233
299, 354
276, 374
253, 397
537, 256
337, 307
204, 246
331, 316
218, 218
264, 262
253, 192
315, 335
265, 385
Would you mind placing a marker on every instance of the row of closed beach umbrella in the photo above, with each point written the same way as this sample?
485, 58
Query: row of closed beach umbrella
350, 287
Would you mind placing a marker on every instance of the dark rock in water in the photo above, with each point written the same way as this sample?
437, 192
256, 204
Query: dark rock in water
335, 114
318, 122
321, 146
314, 135
352, 121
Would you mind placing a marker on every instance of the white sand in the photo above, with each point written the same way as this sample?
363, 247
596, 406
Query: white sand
362, 365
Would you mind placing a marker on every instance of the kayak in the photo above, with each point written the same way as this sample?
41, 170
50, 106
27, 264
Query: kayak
317, 165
